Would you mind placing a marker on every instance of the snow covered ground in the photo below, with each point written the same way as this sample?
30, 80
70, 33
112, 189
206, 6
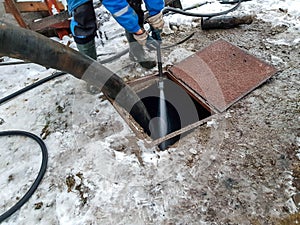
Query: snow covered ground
236, 169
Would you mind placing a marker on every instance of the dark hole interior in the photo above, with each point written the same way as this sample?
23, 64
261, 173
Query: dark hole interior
182, 110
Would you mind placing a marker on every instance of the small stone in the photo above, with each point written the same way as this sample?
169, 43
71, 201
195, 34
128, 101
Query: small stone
296, 183
193, 151
10, 178
283, 10
38, 205
296, 199
212, 157
70, 182
212, 123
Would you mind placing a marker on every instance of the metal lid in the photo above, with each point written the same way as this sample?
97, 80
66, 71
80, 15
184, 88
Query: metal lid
221, 74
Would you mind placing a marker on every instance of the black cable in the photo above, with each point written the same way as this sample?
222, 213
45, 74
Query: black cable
232, 1
31, 86
187, 8
13, 63
180, 42
38, 179
180, 11
104, 54
195, 6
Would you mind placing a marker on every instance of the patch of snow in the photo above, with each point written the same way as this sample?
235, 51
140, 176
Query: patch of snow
276, 60
177, 55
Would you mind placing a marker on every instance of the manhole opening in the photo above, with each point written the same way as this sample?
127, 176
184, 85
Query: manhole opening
181, 108
205, 83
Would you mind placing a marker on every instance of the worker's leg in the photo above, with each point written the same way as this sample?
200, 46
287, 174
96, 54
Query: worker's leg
83, 27
136, 51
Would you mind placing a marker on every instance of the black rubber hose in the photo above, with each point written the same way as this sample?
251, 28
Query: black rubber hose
30, 46
38, 179
180, 11
31, 86
58, 74
186, 9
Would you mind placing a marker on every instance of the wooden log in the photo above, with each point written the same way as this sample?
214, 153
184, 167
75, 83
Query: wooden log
57, 21
224, 22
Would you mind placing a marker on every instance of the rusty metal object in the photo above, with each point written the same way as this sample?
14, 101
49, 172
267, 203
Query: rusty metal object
53, 9
224, 22
43, 17
12, 7
31, 6
30, 46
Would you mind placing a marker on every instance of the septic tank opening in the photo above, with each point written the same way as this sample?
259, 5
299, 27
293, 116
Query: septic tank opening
216, 77
181, 109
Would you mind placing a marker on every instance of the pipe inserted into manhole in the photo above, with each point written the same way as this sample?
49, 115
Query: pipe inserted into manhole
30, 46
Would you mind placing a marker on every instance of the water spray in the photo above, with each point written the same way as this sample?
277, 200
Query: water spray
163, 125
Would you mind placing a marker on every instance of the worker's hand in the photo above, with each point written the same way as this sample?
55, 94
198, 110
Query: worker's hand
141, 36
144, 39
156, 21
